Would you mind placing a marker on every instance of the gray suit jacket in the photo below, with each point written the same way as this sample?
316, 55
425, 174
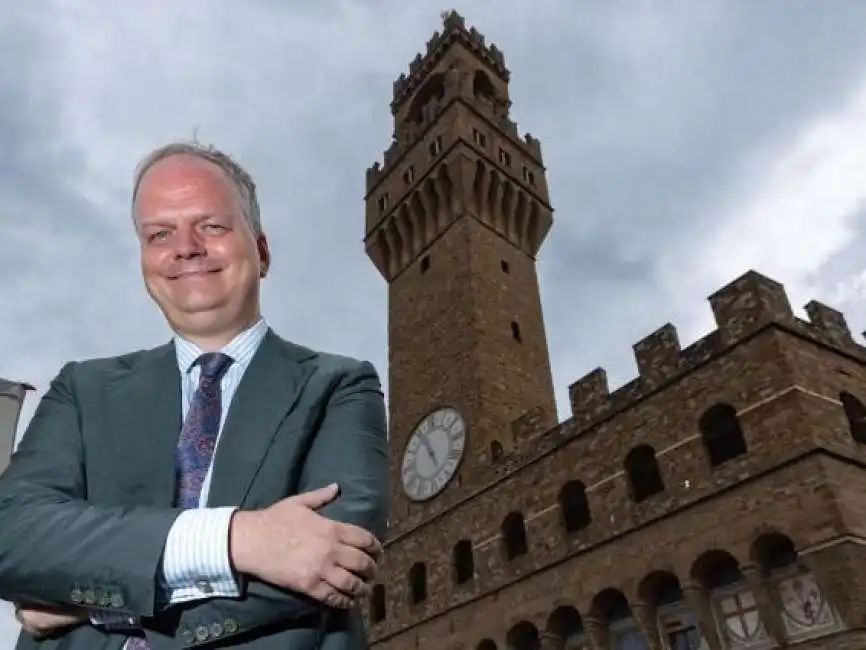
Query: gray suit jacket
86, 503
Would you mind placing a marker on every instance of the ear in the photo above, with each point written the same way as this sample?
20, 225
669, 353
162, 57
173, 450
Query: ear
264, 255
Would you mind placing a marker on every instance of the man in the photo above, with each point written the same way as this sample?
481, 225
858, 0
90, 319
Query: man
226, 489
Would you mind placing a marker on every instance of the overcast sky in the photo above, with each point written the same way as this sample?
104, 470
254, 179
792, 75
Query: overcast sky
686, 142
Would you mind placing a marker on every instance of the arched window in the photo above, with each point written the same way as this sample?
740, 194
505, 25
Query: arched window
377, 604
855, 412
574, 506
722, 434
418, 583
644, 476
514, 536
464, 561
774, 552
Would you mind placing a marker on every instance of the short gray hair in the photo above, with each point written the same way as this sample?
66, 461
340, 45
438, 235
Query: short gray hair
239, 176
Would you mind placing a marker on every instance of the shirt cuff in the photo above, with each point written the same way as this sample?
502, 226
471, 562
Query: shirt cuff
196, 564
111, 620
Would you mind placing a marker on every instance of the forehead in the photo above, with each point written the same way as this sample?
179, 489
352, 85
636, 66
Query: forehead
184, 178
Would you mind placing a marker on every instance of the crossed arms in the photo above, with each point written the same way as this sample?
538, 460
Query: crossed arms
52, 539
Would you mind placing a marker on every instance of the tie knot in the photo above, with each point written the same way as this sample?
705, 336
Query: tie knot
213, 365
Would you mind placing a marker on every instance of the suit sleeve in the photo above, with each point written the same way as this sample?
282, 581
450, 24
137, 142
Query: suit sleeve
55, 546
350, 448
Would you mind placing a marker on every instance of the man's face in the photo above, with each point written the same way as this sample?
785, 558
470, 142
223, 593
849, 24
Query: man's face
200, 259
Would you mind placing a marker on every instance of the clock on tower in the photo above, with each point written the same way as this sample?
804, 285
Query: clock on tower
433, 453
454, 219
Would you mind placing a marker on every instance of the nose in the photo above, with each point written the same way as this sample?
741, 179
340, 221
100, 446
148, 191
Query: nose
188, 244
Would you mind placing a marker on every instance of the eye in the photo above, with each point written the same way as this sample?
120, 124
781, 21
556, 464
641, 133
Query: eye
214, 227
157, 236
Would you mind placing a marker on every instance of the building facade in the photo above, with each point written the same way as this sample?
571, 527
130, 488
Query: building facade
716, 501
12, 396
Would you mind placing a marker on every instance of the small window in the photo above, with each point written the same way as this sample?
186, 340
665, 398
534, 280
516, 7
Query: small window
574, 506
384, 202
505, 266
722, 434
418, 583
435, 147
513, 532
504, 158
464, 562
855, 414
479, 138
409, 175
515, 332
377, 604
529, 176
644, 476
425, 263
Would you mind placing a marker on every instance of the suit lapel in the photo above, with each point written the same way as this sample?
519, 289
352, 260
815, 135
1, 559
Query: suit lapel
267, 393
144, 418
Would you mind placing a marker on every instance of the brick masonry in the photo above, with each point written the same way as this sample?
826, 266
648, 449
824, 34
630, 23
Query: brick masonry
456, 239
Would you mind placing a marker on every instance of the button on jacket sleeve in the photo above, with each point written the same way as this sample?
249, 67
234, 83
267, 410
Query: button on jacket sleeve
76, 552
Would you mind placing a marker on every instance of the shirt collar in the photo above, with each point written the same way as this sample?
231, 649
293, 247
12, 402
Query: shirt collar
241, 348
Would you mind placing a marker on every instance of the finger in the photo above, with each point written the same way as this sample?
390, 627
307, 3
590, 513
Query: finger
345, 582
317, 498
356, 562
325, 593
359, 538
338, 600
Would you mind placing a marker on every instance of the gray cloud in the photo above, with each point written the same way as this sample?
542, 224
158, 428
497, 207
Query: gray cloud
659, 122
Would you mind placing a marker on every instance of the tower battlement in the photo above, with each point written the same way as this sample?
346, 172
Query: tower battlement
741, 308
453, 31
394, 153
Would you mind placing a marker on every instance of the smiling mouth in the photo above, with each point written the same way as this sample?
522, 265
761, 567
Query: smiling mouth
194, 274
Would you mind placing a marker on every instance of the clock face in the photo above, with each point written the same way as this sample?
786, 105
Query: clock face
433, 453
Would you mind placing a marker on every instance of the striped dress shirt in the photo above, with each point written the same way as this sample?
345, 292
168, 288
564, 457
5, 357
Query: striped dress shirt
196, 563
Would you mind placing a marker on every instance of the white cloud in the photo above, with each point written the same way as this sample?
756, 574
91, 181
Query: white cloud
791, 211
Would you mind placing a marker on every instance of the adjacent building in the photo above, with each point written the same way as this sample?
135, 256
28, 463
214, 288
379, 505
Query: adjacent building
718, 500
12, 396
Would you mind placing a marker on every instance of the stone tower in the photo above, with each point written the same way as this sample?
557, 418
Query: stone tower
454, 219
12, 395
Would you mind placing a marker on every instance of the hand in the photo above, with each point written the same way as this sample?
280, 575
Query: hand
42, 620
291, 546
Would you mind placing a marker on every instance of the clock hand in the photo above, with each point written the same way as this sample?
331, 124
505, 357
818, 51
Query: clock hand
430, 451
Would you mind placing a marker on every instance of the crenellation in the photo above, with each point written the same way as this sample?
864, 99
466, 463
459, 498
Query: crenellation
415, 64
830, 321
454, 30
658, 355
374, 173
452, 20
702, 350
747, 304
589, 394
400, 85
742, 307
392, 153
533, 145
533, 423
